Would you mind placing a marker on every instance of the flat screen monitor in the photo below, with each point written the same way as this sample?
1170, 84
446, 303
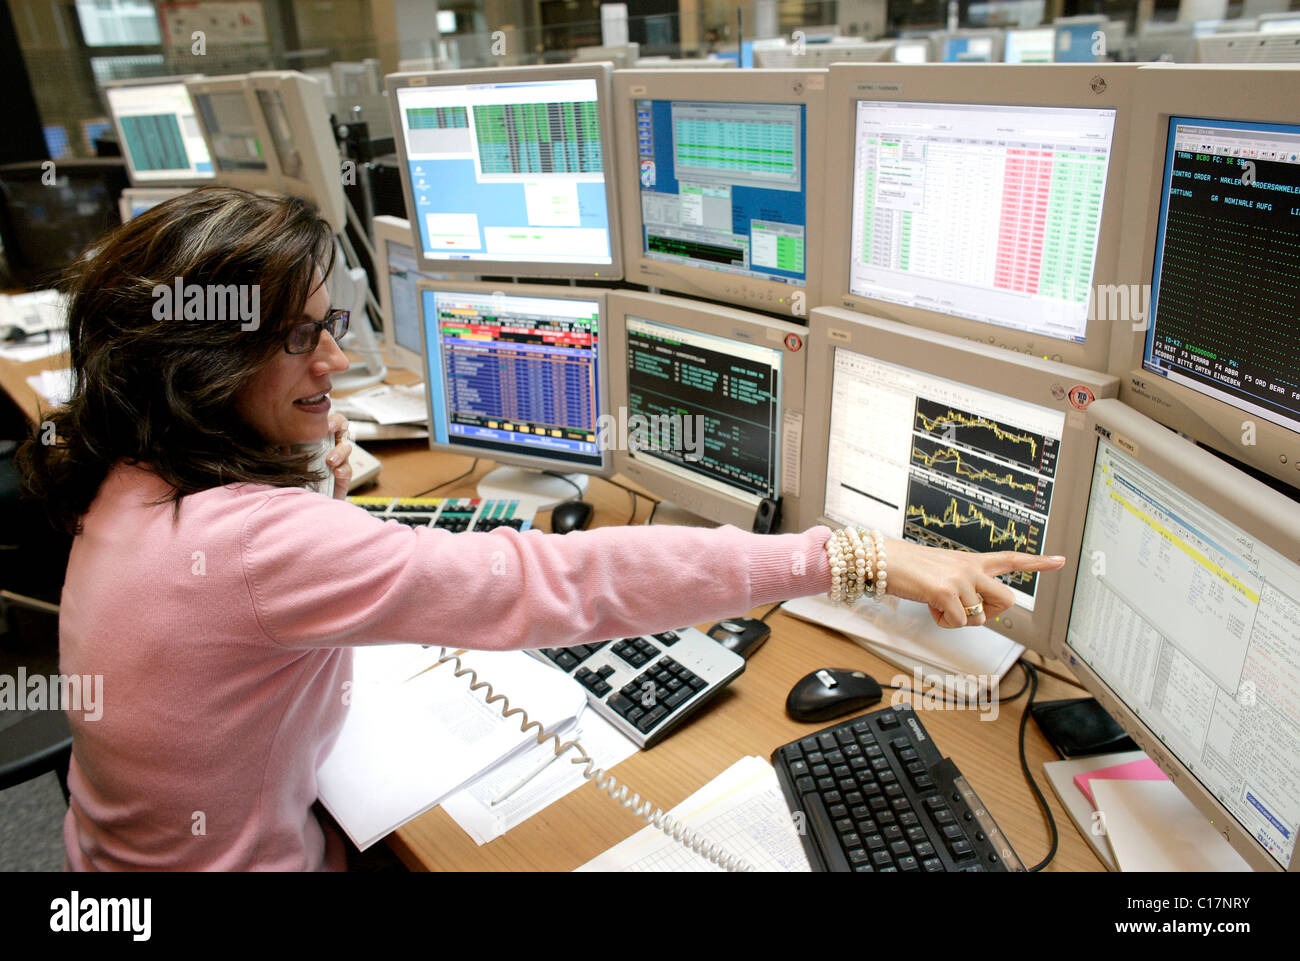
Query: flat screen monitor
713, 398
158, 132
990, 210
1030, 46
948, 443
235, 132
1080, 39
398, 273
516, 373
727, 204
1183, 620
972, 47
504, 171
1213, 246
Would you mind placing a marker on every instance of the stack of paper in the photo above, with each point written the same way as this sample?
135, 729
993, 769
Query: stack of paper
903, 633
54, 386
741, 809
386, 412
413, 737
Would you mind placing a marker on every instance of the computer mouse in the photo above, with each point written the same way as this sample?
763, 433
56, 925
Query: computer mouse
570, 516
743, 635
830, 693
12, 335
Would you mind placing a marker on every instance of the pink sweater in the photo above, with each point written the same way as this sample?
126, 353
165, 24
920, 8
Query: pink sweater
224, 643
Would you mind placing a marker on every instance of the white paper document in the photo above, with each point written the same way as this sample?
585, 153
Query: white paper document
386, 404
741, 809
54, 386
473, 810
410, 742
1152, 826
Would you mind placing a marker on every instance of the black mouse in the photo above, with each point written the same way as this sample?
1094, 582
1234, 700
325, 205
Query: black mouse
830, 693
12, 335
743, 635
570, 516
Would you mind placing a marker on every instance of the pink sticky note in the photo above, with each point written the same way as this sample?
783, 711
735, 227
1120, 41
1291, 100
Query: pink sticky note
1143, 770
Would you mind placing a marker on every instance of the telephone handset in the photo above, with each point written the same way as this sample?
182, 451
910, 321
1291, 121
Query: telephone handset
320, 451
606, 783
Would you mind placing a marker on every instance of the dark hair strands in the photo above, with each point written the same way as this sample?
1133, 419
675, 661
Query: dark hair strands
161, 392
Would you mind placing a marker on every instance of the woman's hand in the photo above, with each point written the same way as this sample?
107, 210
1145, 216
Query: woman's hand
337, 459
950, 582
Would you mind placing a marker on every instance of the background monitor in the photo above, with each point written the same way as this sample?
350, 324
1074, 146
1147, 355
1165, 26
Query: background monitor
397, 273
813, 56
158, 132
292, 107
728, 202
510, 171
738, 376
1030, 46
235, 132
911, 51
971, 46
1249, 48
1080, 39
517, 374
948, 443
1183, 620
1212, 247
621, 55
986, 209
136, 200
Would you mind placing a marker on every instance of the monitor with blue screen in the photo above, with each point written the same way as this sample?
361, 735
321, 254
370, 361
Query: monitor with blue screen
510, 171
1080, 39
159, 132
972, 47
725, 205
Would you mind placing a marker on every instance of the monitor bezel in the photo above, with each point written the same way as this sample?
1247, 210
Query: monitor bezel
601, 73
719, 321
271, 180
1208, 91
805, 87
1240, 500
1034, 381
1049, 85
183, 81
530, 461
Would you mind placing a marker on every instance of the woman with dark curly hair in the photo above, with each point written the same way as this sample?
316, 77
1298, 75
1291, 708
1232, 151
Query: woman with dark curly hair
220, 600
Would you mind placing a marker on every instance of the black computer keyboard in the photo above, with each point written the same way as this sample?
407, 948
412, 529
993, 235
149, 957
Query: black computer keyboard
873, 793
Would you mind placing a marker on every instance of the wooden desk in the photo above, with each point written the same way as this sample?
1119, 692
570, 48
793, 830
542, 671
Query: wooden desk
747, 718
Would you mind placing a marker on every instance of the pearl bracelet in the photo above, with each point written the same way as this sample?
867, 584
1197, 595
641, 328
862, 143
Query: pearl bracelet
857, 562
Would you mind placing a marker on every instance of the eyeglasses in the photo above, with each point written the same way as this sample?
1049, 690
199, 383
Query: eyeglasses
303, 338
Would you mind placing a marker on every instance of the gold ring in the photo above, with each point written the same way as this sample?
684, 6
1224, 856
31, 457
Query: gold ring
976, 608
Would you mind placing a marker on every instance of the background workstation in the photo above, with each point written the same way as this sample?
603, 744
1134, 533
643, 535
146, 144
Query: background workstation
962, 255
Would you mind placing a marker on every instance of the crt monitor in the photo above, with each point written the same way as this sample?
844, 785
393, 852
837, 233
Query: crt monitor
510, 171
292, 107
1034, 45
1213, 249
234, 129
944, 442
709, 403
727, 203
397, 274
988, 209
517, 374
158, 132
1183, 619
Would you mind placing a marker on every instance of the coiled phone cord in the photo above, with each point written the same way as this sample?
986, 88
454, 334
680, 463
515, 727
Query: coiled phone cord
606, 783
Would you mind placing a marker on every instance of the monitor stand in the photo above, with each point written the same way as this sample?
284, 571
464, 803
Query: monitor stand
524, 484
673, 514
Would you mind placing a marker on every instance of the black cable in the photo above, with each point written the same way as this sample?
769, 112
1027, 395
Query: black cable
568, 480
631, 517
770, 610
651, 519
1024, 766
472, 467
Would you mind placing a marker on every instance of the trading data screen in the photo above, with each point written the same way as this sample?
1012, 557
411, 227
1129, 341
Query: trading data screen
514, 374
1195, 626
508, 171
940, 463
1225, 301
991, 213
236, 146
711, 407
161, 133
724, 186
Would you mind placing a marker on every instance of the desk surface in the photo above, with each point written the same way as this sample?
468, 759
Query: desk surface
746, 718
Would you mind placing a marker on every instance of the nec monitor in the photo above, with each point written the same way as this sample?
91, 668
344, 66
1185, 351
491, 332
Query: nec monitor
158, 132
947, 443
1030, 46
510, 171
235, 132
1208, 344
397, 275
984, 201
1183, 619
516, 373
728, 202
712, 400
